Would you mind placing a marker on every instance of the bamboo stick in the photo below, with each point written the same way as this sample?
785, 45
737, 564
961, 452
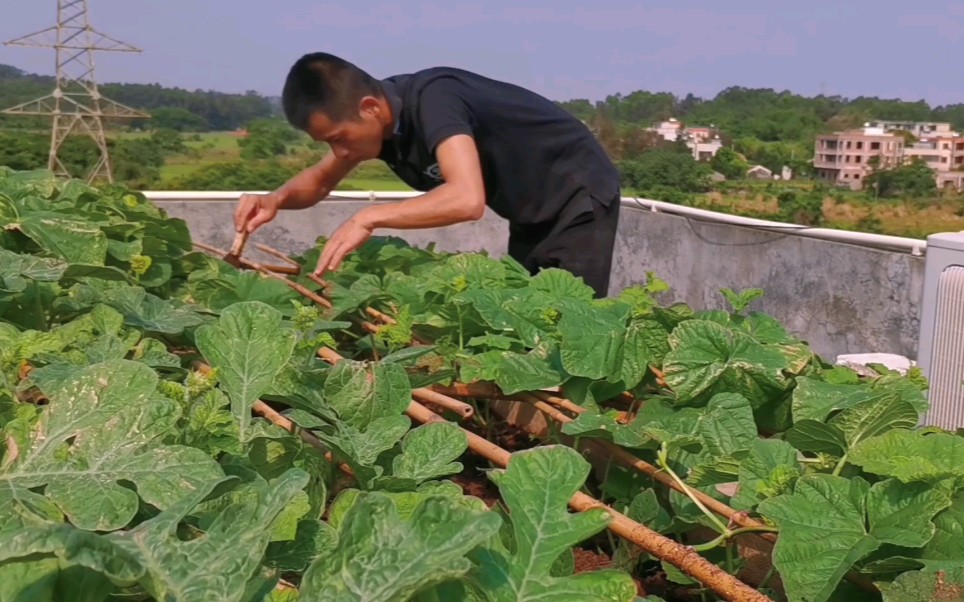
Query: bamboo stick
260, 268
733, 516
270, 414
429, 396
382, 317
680, 556
276, 253
559, 402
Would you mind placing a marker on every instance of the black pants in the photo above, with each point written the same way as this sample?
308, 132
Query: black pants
580, 241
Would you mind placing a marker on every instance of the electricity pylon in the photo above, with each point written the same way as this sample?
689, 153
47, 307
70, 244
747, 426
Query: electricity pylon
76, 105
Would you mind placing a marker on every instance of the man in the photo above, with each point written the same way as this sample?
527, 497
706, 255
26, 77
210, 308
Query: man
468, 142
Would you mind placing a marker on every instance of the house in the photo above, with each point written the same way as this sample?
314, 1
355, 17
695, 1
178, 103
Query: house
920, 129
940, 153
758, 172
846, 158
701, 140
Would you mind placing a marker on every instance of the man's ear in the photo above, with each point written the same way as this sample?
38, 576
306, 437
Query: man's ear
369, 105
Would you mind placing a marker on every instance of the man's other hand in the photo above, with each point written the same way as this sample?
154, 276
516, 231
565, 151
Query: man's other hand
347, 238
255, 210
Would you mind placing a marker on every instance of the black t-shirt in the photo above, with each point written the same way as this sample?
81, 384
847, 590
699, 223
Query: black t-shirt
535, 156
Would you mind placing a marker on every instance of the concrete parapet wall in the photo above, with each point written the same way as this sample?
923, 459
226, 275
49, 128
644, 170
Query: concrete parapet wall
841, 298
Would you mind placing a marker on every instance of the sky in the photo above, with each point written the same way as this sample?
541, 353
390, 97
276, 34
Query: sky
562, 49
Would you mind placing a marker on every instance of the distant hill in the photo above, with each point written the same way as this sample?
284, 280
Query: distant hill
181, 109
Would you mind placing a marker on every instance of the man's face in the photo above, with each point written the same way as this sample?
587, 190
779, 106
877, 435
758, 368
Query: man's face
356, 140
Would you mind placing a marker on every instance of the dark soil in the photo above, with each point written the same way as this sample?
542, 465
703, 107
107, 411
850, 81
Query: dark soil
473, 479
478, 485
587, 561
944, 590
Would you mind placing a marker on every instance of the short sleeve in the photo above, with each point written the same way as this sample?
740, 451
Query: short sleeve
443, 113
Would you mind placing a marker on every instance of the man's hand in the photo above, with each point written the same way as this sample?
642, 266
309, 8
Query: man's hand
255, 210
460, 199
347, 238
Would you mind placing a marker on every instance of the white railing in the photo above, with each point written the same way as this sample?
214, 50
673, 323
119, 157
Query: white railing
913, 246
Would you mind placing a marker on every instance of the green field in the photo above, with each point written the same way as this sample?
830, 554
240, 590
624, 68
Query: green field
219, 147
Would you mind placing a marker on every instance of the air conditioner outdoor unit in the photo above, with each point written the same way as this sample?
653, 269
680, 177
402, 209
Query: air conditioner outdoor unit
940, 348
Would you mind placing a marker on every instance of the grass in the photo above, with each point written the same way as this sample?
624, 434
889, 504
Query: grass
846, 210
219, 147
206, 148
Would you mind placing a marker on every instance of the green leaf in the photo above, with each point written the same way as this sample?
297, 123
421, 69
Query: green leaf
726, 431
219, 563
875, 416
645, 339
770, 462
537, 486
928, 584
73, 240
824, 527
530, 371
512, 311
248, 347
362, 392
312, 539
473, 270
816, 400
817, 437
562, 284
15, 266
707, 359
911, 455
407, 354
231, 288
947, 544
72, 547
149, 312
727, 425
104, 425
381, 556
901, 513
593, 342
361, 449
430, 451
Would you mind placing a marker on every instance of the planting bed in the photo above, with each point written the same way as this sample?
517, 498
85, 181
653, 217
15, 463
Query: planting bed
430, 427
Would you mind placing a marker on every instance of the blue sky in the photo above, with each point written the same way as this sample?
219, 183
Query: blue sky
560, 48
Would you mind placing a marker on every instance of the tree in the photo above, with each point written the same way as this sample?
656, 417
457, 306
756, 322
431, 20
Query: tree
263, 174
171, 142
913, 179
729, 163
267, 138
665, 169
799, 207
177, 119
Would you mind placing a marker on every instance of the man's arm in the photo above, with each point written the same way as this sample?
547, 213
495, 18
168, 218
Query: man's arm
300, 192
460, 199
314, 183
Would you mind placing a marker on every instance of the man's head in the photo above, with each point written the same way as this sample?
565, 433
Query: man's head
336, 102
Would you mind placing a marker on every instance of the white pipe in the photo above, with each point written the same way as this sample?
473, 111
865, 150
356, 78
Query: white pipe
911, 245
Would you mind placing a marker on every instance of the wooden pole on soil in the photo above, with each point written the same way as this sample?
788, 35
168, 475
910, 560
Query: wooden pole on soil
680, 556
260, 268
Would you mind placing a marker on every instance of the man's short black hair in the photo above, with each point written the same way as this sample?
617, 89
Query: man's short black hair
323, 82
